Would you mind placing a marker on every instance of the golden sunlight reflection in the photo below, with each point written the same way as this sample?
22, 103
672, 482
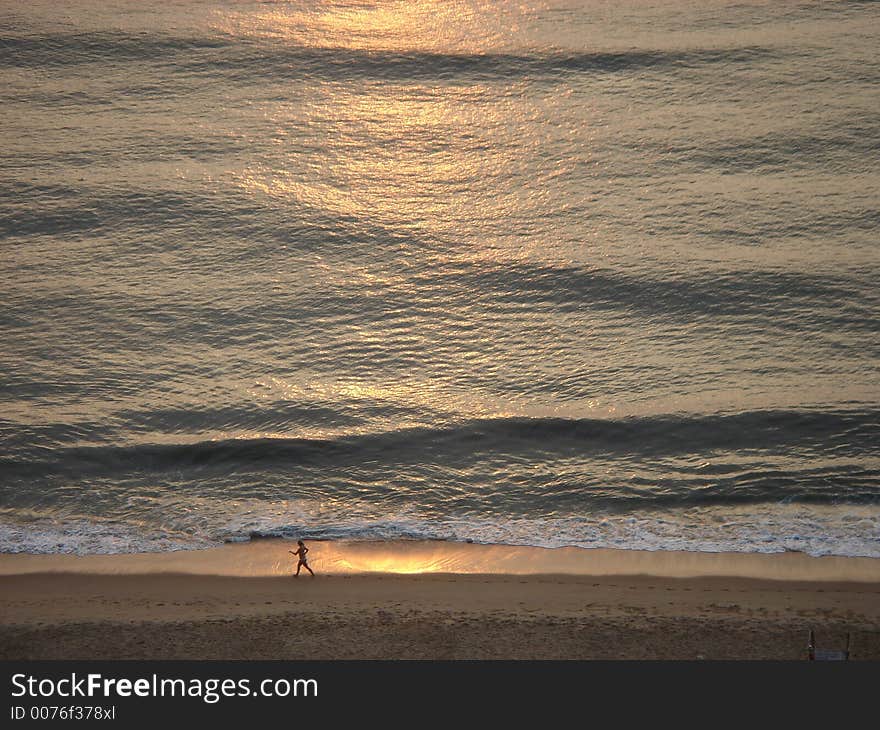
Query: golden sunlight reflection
264, 558
415, 390
452, 166
426, 149
404, 152
421, 557
425, 25
390, 562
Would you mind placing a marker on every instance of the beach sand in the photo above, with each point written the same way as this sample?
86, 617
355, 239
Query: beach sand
435, 601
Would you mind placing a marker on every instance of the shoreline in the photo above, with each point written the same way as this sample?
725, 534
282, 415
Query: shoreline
435, 601
269, 557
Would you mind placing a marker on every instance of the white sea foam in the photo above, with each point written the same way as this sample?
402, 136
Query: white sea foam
88, 537
853, 532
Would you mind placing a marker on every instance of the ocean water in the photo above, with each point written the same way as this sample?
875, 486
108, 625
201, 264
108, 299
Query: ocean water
600, 274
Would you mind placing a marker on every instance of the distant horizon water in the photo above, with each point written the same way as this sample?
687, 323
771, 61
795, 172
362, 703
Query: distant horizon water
580, 274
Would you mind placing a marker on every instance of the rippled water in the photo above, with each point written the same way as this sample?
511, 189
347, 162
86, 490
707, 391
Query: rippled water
583, 273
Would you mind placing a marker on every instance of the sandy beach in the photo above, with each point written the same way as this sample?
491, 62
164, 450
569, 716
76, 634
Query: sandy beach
435, 601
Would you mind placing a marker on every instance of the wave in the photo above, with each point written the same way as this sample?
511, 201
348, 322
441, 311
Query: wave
82, 536
352, 63
696, 529
731, 293
834, 433
134, 210
792, 528
781, 300
246, 58
842, 144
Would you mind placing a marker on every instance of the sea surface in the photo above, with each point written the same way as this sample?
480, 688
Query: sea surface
582, 273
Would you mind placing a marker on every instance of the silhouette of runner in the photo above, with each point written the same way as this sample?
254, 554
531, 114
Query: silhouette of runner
301, 554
